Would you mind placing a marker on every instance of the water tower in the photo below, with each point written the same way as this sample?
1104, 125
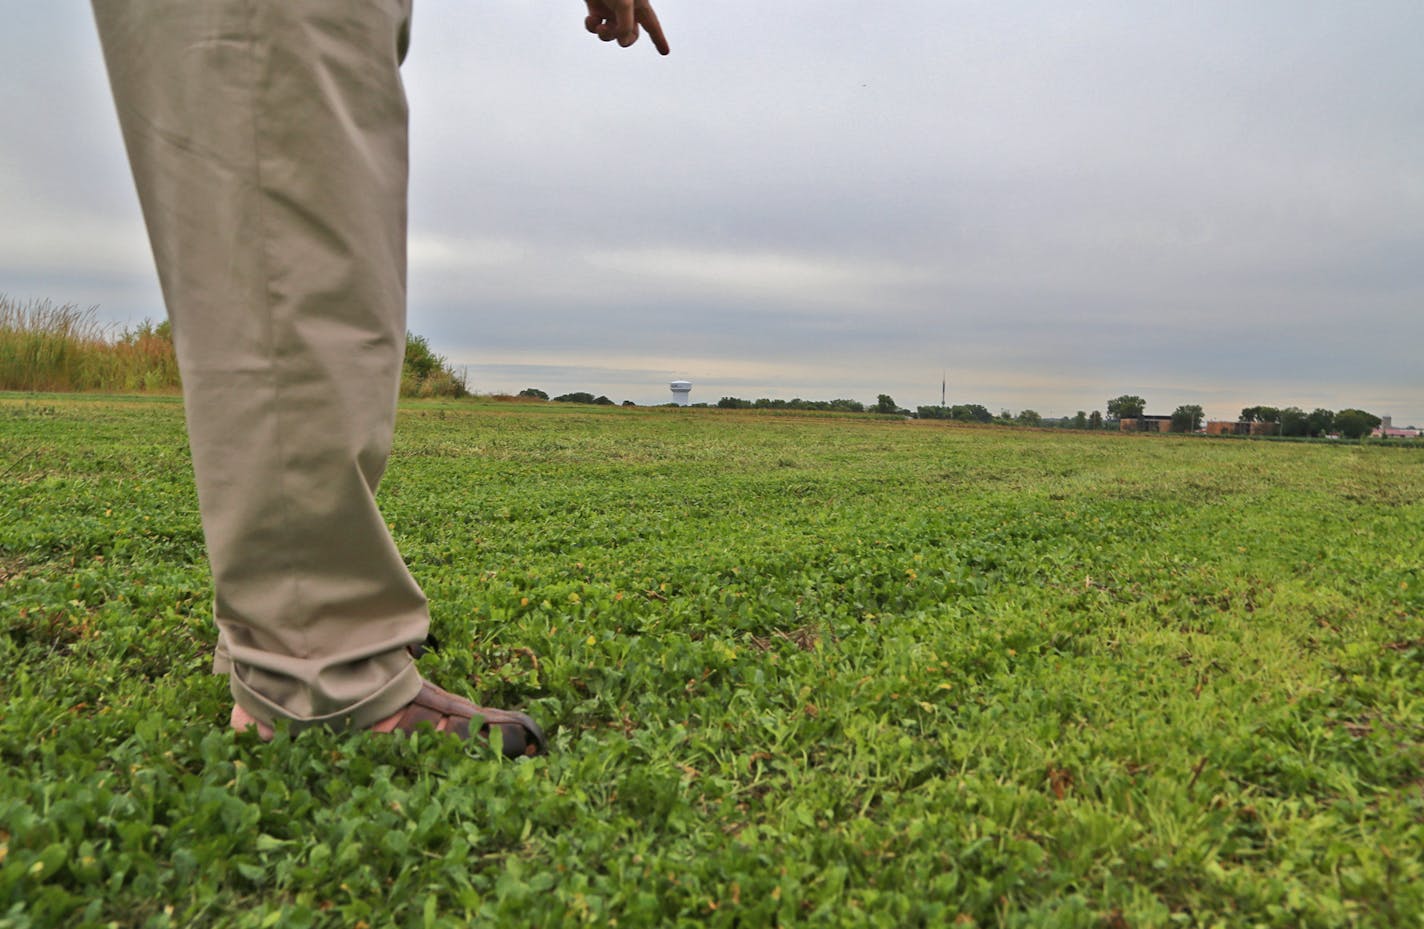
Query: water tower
680, 390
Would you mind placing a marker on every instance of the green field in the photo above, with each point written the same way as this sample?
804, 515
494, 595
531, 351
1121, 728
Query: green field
798, 670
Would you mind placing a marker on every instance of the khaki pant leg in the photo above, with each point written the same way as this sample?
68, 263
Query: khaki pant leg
268, 144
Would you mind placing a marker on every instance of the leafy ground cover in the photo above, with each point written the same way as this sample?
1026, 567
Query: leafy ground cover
797, 670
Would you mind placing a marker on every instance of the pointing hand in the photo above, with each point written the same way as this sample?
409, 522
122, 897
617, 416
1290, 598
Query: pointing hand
620, 19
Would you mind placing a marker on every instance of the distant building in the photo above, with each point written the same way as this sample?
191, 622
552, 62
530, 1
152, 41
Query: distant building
1227, 427
1386, 430
1146, 424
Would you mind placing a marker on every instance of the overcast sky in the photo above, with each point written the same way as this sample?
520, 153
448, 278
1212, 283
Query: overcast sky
1051, 203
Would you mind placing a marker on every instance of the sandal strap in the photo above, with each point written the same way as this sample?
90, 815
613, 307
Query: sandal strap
445, 712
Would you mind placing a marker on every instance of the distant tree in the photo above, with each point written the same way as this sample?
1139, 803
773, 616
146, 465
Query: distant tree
1355, 424
1080, 420
1187, 418
1126, 407
629, 403
602, 401
964, 412
734, 403
420, 361
1294, 421
1320, 422
885, 403
426, 374
971, 413
576, 397
1095, 420
1029, 418
533, 393
1261, 414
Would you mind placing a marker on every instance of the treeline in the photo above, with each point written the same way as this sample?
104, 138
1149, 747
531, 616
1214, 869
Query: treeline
1288, 421
963, 412
1190, 417
580, 396
726, 403
1293, 421
827, 406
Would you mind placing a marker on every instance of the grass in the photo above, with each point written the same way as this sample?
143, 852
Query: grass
797, 670
59, 347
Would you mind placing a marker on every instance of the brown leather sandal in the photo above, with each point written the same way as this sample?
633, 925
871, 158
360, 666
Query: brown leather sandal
519, 734
444, 712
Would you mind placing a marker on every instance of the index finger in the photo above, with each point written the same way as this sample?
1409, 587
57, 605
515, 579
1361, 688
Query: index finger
648, 19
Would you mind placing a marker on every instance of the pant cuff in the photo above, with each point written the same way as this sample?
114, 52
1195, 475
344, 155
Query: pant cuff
399, 691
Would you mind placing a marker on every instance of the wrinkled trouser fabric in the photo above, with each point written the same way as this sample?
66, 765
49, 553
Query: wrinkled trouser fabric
268, 144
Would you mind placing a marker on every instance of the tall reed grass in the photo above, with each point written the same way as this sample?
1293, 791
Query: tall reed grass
46, 346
